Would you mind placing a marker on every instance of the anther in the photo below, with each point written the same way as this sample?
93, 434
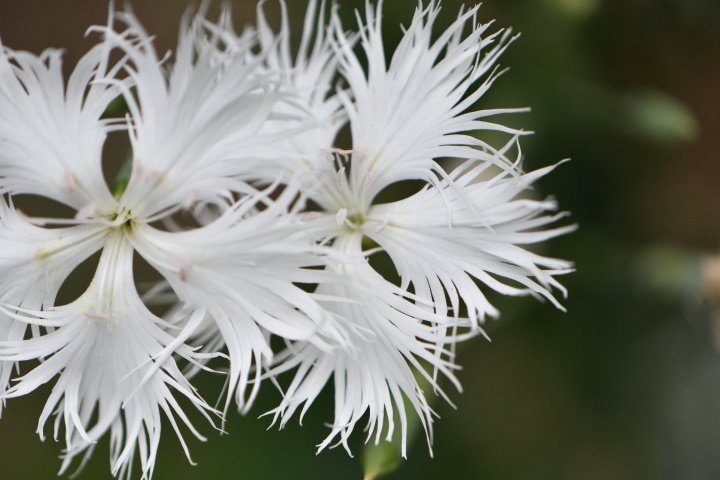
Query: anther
69, 181
86, 212
190, 200
385, 223
96, 316
310, 216
341, 178
341, 216
184, 269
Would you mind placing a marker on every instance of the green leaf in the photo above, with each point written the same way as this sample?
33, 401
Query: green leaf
117, 108
661, 118
122, 178
385, 457
380, 460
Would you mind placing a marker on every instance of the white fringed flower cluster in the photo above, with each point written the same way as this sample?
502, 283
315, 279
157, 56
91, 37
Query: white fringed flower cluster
261, 223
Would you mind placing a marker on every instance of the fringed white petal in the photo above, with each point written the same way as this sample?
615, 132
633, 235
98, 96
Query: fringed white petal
192, 132
442, 240
100, 348
52, 134
410, 112
35, 262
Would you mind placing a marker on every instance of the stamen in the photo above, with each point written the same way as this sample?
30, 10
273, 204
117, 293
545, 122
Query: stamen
190, 200
368, 178
341, 216
97, 316
334, 153
123, 216
310, 216
86, 212
385, 222
329, 154
146, 175
345, 154
341, 178
185, 268
70, 181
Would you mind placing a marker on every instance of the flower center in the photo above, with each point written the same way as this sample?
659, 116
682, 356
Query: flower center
121, 217
355, 222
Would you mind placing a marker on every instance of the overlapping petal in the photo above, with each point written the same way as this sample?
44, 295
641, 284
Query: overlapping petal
311, 115
393, 339
242, 270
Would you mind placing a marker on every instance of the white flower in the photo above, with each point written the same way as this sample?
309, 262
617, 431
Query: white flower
192, 127
460, 229
101, 345
261, 225
51, 137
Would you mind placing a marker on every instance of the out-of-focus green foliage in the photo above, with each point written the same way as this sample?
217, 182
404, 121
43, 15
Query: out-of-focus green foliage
660, 118
381, 459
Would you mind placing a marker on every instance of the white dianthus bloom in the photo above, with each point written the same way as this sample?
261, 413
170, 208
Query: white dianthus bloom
193, 125
51, 138
460, 230
261, 225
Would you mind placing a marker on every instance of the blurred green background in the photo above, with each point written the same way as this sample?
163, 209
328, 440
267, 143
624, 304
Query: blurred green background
626, 385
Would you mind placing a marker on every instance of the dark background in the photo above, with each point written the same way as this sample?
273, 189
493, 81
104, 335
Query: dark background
626, 385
